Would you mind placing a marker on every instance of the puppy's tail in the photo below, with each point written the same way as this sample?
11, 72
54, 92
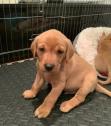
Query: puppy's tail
101, 76
105, 82
103, 90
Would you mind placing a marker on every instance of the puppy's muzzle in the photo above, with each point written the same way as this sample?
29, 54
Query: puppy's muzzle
49, 67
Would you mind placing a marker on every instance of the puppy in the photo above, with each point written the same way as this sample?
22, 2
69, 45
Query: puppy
59, 65
103, 58
86, 44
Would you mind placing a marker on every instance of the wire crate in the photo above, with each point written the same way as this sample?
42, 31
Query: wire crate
22, 20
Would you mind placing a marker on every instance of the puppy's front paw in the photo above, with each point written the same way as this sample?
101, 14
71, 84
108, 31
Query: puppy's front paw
66, 106
28, 94
42, 111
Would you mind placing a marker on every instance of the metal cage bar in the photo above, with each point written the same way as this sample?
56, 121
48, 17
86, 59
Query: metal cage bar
22, 20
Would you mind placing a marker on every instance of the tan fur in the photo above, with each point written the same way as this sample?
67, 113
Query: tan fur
103, 58
70, 73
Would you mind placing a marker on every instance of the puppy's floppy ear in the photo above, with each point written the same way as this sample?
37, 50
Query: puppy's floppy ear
34, 47
70, 50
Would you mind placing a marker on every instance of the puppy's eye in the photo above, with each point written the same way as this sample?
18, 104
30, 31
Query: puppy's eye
60, 52
41, 49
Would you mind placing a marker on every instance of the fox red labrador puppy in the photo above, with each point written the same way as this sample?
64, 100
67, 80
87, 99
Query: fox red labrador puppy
103, 58
59, 64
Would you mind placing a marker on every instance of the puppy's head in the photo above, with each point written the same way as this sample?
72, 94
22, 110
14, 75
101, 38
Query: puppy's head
53, 49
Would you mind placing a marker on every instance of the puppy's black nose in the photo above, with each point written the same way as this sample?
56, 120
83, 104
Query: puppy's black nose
49, 67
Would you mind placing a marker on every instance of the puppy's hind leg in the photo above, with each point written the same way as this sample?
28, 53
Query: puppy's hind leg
78, 98
73, 102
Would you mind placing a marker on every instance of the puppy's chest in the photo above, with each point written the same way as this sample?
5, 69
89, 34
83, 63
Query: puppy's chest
49, 77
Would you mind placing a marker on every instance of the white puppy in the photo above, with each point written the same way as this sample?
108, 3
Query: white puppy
86, 42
